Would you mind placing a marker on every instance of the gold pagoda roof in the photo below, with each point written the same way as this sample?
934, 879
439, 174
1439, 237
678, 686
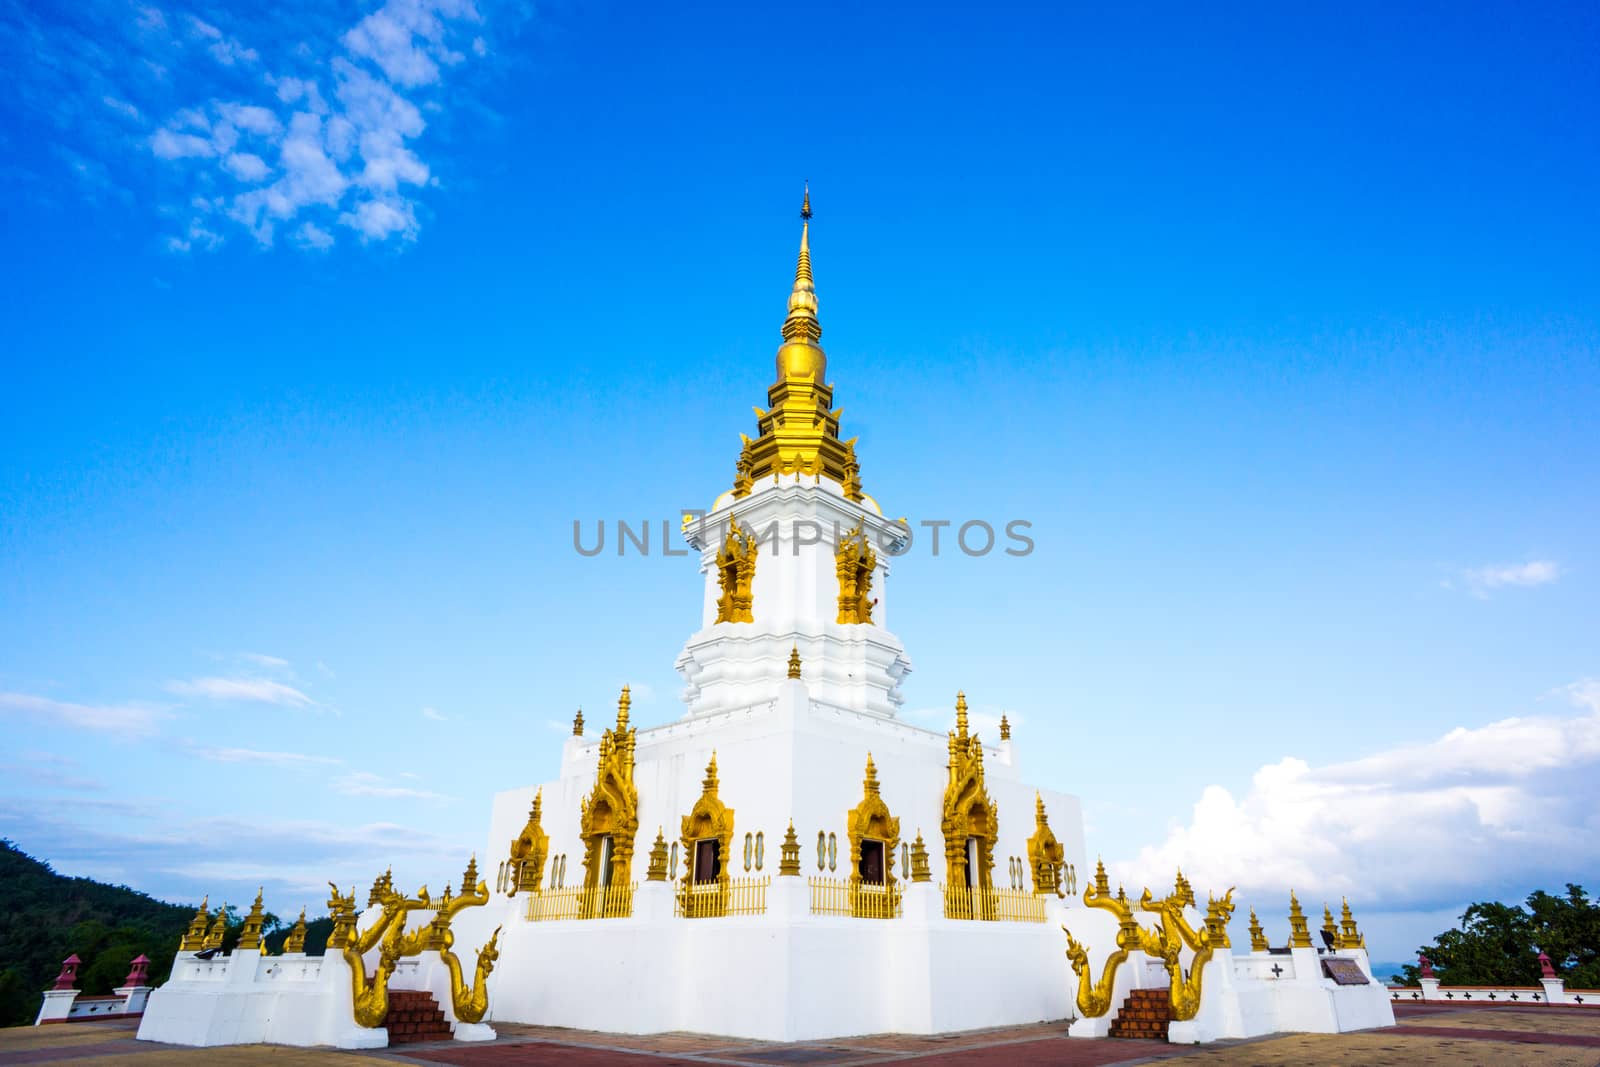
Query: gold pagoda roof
799, 430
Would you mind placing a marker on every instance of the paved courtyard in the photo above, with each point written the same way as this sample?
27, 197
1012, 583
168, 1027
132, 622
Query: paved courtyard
1427, 1035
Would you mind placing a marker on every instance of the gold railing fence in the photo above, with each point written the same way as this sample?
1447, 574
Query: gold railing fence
712, 900
994, 905
858, 900
594, 902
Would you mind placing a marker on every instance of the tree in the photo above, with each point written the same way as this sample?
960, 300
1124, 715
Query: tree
1499, 944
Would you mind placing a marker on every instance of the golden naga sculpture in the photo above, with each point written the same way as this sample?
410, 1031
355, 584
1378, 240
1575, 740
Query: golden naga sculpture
969, 813
610, 813
736, 571
854, 562
471, 1002
1174, 932
1094, 995
1046, 855
388, 934
529, 850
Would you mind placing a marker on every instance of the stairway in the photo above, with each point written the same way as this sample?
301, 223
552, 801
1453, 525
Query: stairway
414, 1016
1145, 1014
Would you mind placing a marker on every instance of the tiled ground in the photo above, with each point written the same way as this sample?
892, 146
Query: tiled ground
1427, 1036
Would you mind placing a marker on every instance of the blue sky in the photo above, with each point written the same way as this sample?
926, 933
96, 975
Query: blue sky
324, 323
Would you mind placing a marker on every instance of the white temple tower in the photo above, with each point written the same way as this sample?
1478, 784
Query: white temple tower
920, 862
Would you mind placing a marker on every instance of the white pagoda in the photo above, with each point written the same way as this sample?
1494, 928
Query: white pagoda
788, 860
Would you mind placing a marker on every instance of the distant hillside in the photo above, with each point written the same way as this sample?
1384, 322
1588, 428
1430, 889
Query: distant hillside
45, 917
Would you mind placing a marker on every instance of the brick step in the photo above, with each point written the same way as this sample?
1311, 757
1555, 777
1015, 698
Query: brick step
415, 1016
1144, 1016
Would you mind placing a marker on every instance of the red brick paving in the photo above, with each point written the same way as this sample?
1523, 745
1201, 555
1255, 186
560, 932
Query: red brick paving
1525, 1037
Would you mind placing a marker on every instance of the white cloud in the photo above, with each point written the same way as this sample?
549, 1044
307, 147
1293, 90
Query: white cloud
1507, 804
171, 144
246, 166
121, 107
434, 714
248, 690
1481, 580
349, 160
256, 756
262, 660
127, 720
366, 784
310, 235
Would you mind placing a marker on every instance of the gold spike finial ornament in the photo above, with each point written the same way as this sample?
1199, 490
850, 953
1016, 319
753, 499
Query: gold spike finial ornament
219, 927
709, 783
657, 871
577, 724
870, 783
789, 854
250, 932
624, 702
1350, 935
794, 661
961, 714
919, 860
1102, 884
1258, 936
1299, 932
195, 937
296, 941
1005, 728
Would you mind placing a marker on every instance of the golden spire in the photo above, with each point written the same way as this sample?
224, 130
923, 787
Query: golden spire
577, 724
789, 861
624, 702
794, 661
709, 783
870, 783
801, 356
799, 432
961, 714
1005, 728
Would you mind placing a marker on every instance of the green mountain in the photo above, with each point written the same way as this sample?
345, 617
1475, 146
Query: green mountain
47, 917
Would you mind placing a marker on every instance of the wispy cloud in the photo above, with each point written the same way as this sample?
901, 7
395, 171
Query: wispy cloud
366, 784
287, 760
328, 146
1416, 826
262, 660
246, 690
127, 720
435, 715
1481, 581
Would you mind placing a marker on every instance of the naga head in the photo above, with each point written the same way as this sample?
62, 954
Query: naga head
1076, 953
489, 954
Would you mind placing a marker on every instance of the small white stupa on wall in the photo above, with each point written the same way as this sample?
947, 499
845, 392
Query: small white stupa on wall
789, 859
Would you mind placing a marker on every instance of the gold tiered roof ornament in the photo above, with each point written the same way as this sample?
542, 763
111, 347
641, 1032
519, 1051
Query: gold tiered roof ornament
799, 431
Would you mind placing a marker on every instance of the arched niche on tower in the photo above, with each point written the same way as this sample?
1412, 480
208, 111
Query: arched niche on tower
874, 836
609, 818
971, 821
707, 838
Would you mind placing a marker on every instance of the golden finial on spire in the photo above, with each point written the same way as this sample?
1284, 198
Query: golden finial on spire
1005, 728
794, 661
577, 724
709, 784
789, 859
870, 783
624, 702
801, 356
961, 714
